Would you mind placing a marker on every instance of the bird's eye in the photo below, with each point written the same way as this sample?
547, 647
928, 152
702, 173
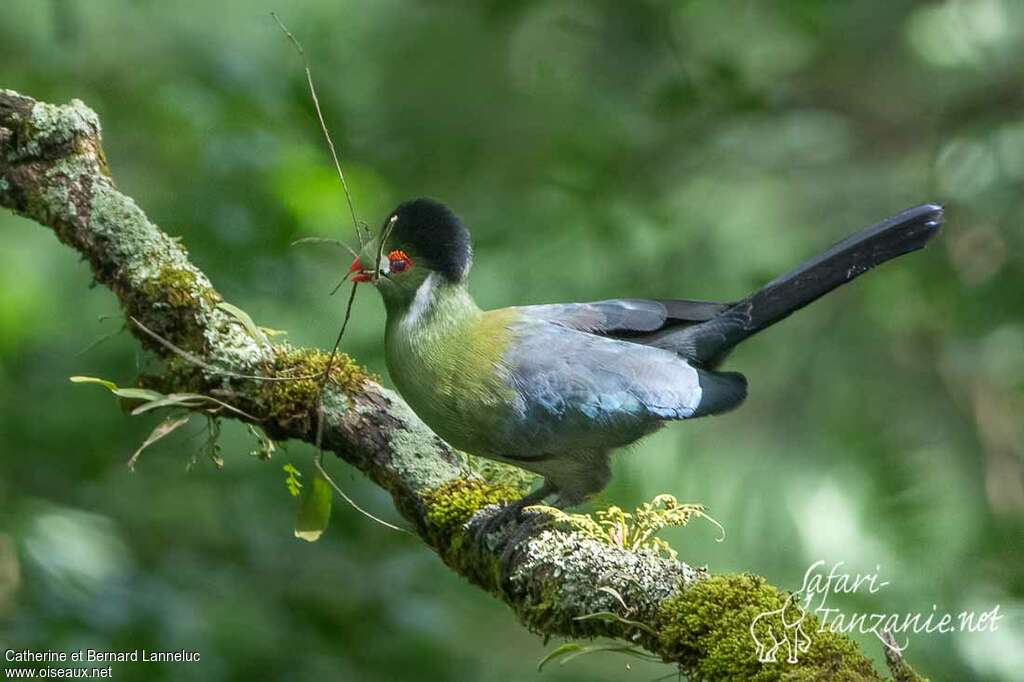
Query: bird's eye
398, 261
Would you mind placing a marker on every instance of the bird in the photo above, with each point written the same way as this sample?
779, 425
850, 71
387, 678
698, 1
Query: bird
555, 388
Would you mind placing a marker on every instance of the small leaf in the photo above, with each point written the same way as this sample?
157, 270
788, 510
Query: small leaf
292, 481
162, 429
615, 593
614, 648
110, 385
315, 511
609, 617
563, 650
212, 444
571, 650
172, 400
130, 393
251, 327
272, 332
264, 444
188, 400
138, 394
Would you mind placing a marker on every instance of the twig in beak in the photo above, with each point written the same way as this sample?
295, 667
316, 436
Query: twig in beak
326, 240
338, 286
325, 377
323, 126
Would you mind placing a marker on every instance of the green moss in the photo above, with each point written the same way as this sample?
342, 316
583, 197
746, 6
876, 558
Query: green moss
706, 627
179, 288
543, 612
291, 401
180, 295
176, 376
448, 508
454, 503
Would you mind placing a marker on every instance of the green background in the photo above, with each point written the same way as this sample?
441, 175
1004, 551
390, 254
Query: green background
596, 149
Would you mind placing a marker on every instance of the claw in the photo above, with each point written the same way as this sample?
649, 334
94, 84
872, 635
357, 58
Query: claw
532, 522
489, 531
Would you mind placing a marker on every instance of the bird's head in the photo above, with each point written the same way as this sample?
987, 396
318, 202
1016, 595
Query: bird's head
420, 239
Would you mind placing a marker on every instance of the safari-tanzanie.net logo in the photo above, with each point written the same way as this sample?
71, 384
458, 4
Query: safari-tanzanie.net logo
780, 634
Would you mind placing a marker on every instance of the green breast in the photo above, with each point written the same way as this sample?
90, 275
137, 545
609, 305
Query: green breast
448, 367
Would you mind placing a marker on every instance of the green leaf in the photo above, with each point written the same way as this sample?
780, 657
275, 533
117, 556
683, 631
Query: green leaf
162, 429
571, 650
315, 511
138, 394
251, 328
563, 650
609, 617
187, 400
130, 393
615, 593
292, 481
264, 444
173, 400
94, 380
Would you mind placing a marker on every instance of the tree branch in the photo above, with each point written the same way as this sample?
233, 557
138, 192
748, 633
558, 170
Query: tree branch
53, 171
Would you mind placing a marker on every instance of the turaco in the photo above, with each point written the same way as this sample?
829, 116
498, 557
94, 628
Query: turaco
555, 388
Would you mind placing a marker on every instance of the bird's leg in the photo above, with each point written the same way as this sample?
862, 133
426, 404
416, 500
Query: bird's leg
520, 532
508, 513
545, 490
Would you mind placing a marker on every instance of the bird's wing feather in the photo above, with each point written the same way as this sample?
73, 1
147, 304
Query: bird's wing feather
624, 316
579, 390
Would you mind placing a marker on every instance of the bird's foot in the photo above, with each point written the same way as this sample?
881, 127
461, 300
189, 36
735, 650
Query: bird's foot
488, 526
530, 523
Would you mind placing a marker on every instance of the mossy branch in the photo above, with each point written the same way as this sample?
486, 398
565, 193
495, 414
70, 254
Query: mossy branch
53, 171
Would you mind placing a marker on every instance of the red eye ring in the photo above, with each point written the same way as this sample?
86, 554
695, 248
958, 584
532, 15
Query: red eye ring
399, 261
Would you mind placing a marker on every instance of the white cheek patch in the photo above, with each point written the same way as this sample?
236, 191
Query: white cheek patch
421, 301
384, 266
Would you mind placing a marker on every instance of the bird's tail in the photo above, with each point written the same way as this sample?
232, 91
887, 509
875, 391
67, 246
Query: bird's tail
709, 342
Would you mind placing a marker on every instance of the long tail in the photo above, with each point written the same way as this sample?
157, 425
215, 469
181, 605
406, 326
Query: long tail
709, 342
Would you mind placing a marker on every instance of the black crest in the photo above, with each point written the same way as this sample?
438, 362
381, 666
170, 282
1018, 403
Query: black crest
435, 234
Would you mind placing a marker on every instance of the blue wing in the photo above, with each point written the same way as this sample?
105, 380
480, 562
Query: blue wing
577, 390
624, 317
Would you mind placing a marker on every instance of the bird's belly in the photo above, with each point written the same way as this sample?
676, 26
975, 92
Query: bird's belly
462, 421
468, 409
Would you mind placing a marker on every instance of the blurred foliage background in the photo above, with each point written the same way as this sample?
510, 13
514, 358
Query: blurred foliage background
596, 149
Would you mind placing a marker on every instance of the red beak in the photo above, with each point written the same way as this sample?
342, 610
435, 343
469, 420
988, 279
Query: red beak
360, 272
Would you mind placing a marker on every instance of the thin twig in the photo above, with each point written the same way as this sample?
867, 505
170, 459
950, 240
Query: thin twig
323, 126
207, 366
893, 652
383, 240
102, 339
232, 408
326, 376
327, 240
318, 462
339, 285
352, 296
